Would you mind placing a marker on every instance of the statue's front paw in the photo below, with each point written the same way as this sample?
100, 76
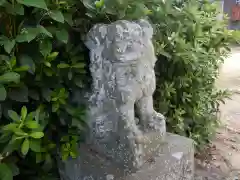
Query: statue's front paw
157, 123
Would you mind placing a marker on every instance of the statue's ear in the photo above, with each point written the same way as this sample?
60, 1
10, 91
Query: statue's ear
96, 36
147, 28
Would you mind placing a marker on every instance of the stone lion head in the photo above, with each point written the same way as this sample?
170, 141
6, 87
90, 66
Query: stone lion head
122, 41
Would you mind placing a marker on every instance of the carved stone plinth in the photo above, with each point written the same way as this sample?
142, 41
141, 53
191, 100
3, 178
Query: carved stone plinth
173, 160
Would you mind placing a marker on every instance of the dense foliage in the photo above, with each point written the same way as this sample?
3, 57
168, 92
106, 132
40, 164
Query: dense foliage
43, 63
41, 66
191, 43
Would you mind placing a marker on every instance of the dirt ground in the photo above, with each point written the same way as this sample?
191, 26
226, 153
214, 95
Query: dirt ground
223, 158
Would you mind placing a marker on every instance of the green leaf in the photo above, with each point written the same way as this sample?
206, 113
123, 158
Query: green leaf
33, 94
34, 3
18, 9
81, 70
27, 35
44, 31
10, 77
52, 56
19, 94
10, 127
65, 155
73, 154
5, 172
79, 65
5, 137
57, 15
62, 92
13, 145
88, 4
22, 69
23, 113
55, 107
30, 117
25, 147
14, 169
20, 132
37, 135
62, 35
26, 60
9, 45
79, 82
2, 39
13, 115
68, 18
48, 64
35, 145
48, 72
3, 93
63, 65
139, 11
38, 114
65, 139
46, 93
32, 124
2, 2
55, 99
70, 75
13, 61
99, 3
45, 47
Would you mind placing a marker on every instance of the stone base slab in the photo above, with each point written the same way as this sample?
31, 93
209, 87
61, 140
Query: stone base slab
174, 161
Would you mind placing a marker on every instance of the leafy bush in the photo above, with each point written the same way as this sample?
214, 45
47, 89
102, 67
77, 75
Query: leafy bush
107, 10
41, 66
191, 44
43, 63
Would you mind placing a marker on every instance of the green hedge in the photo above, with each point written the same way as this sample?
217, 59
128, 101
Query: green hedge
192, 43
43, 63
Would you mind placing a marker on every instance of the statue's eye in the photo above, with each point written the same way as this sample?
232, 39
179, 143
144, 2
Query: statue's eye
119, 50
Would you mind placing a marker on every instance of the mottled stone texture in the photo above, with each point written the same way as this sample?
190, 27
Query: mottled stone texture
173, 160
126, 137
121, 105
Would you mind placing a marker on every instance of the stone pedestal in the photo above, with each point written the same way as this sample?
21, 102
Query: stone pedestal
173, 160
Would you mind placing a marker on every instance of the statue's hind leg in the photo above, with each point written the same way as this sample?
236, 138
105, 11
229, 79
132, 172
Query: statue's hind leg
149, 119
130, 133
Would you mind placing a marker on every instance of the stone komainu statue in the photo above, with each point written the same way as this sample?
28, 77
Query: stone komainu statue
121, 104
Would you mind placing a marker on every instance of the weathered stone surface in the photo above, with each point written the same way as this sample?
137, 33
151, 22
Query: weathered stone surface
126, 137
121, 104
173, 160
